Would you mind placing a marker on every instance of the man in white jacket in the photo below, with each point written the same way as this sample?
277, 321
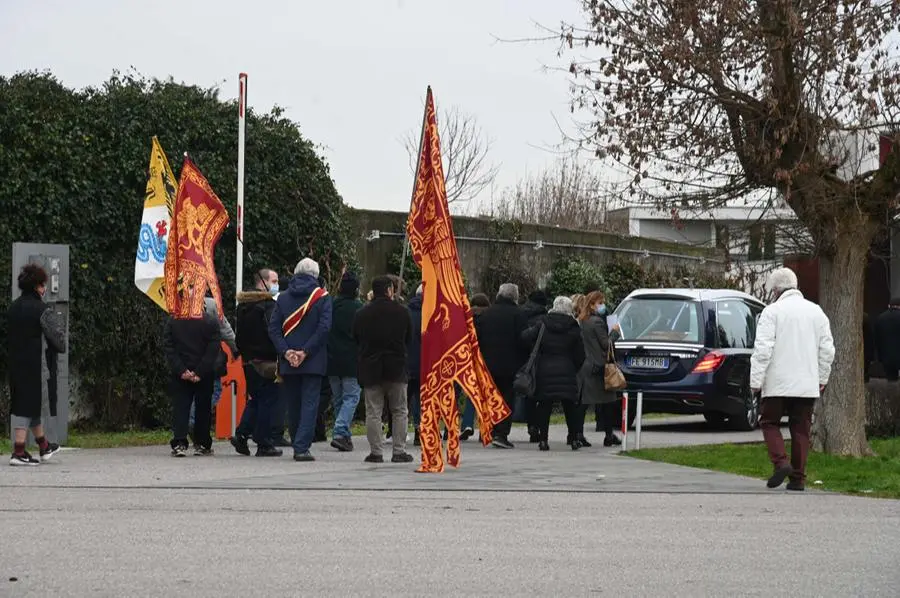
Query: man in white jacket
790, 367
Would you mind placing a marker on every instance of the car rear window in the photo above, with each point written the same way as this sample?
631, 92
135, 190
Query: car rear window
670, 319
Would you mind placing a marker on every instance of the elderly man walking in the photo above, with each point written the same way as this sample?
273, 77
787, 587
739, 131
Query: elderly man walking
790, 367
299, 329
500, 329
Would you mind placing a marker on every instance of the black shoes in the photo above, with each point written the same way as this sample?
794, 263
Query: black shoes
344, 445
575, 444
781, 473
268, 451
304, 457
502, 442
466, 434
25, 459
543, 446
47, 453
533, 435
179, 451
240, 445
203, 451
612, 440
402, 458
374, 459
584, 441
796, 486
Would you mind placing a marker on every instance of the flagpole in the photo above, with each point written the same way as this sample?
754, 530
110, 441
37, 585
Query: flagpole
242, 122
415, 182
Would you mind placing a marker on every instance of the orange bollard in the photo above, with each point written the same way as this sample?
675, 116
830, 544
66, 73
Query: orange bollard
234, 378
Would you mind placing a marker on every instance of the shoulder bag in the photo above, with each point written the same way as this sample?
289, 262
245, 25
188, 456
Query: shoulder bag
613, 378
525, 382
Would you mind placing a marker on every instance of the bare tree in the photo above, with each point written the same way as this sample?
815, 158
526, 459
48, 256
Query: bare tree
707, 101
465, 149
570, 194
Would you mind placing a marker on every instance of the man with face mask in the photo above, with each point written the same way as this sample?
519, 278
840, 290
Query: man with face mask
254, 311
33, 328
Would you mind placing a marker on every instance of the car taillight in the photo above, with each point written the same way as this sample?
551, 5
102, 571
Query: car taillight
710, 363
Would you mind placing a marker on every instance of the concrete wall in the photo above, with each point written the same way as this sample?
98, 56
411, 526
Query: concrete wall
479, 245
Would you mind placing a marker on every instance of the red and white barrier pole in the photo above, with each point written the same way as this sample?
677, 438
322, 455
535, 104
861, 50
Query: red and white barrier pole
624, 421
637, 421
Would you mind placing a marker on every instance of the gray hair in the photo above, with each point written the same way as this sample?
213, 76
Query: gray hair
307, 266
781, 280
509, 291
563, 305
420, 289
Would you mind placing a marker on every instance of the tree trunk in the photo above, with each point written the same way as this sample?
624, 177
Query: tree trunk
840, 417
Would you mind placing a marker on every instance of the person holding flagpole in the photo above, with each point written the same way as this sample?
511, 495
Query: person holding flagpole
299, 329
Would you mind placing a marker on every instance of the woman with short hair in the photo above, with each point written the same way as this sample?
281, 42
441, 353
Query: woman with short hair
35, 335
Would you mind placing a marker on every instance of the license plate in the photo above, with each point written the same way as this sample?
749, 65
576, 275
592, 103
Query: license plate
649, 363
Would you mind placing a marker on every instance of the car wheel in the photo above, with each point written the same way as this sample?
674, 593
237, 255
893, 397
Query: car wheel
750, 419
715, 419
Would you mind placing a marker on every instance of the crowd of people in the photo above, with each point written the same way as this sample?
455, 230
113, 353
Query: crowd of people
304, 350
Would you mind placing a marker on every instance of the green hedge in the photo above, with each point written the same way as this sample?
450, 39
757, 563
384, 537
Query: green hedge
617, 279
74, 167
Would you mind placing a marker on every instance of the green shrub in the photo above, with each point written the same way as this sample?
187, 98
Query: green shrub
74, 167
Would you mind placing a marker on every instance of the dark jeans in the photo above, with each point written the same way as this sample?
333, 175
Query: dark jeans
262, 394
302, 392
185, 394
607, 416
505, 387
414, 402
799, 412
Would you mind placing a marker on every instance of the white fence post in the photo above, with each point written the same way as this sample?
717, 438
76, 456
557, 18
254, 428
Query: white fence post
637, 423
625, 421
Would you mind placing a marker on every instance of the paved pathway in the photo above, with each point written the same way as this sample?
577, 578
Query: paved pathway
136, 522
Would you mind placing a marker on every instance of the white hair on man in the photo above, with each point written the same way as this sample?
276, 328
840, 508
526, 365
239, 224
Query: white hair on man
781, 280
307, 266
509, 291
420, 289
563, 305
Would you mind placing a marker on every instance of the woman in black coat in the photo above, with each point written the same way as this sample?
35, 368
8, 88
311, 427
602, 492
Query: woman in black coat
560, 357
36, 336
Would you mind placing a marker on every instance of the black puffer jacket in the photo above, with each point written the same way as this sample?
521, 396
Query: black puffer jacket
559, 359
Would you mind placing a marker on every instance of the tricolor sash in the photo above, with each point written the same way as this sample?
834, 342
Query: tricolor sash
293, 320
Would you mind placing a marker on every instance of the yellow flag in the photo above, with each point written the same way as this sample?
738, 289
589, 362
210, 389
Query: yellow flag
153, 237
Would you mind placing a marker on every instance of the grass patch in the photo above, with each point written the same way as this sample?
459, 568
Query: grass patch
96, 440
868, 476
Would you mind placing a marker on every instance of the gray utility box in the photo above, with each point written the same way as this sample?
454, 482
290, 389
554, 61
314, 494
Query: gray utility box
55, 260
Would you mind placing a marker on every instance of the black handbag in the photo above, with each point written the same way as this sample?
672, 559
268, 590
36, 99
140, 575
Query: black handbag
525, 382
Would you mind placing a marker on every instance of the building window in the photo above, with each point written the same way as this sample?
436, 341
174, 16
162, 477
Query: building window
755, 253
769, 242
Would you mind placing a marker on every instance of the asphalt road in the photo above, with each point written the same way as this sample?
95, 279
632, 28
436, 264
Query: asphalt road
514, 523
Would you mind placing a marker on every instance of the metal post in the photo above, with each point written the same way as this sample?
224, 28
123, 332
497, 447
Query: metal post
242, 122
234, 391
415, 182
624, 421
637, 422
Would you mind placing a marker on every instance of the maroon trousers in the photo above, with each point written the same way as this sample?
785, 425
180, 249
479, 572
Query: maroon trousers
799, 412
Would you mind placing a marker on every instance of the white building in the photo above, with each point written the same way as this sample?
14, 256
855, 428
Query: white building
753, 239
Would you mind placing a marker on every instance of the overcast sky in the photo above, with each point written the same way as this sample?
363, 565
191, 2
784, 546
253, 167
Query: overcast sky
353, 72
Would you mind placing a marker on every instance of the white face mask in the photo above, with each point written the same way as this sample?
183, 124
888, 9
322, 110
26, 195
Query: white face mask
274, 289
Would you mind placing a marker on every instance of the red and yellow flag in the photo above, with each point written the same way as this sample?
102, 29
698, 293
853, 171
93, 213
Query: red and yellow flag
197, 223
450, 352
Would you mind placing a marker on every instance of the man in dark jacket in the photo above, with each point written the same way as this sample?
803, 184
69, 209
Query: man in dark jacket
887, 339
342, 362
535, 309
500, 330
192, 347
536, 306
254, 311
33, 328
383, 331
299, 330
